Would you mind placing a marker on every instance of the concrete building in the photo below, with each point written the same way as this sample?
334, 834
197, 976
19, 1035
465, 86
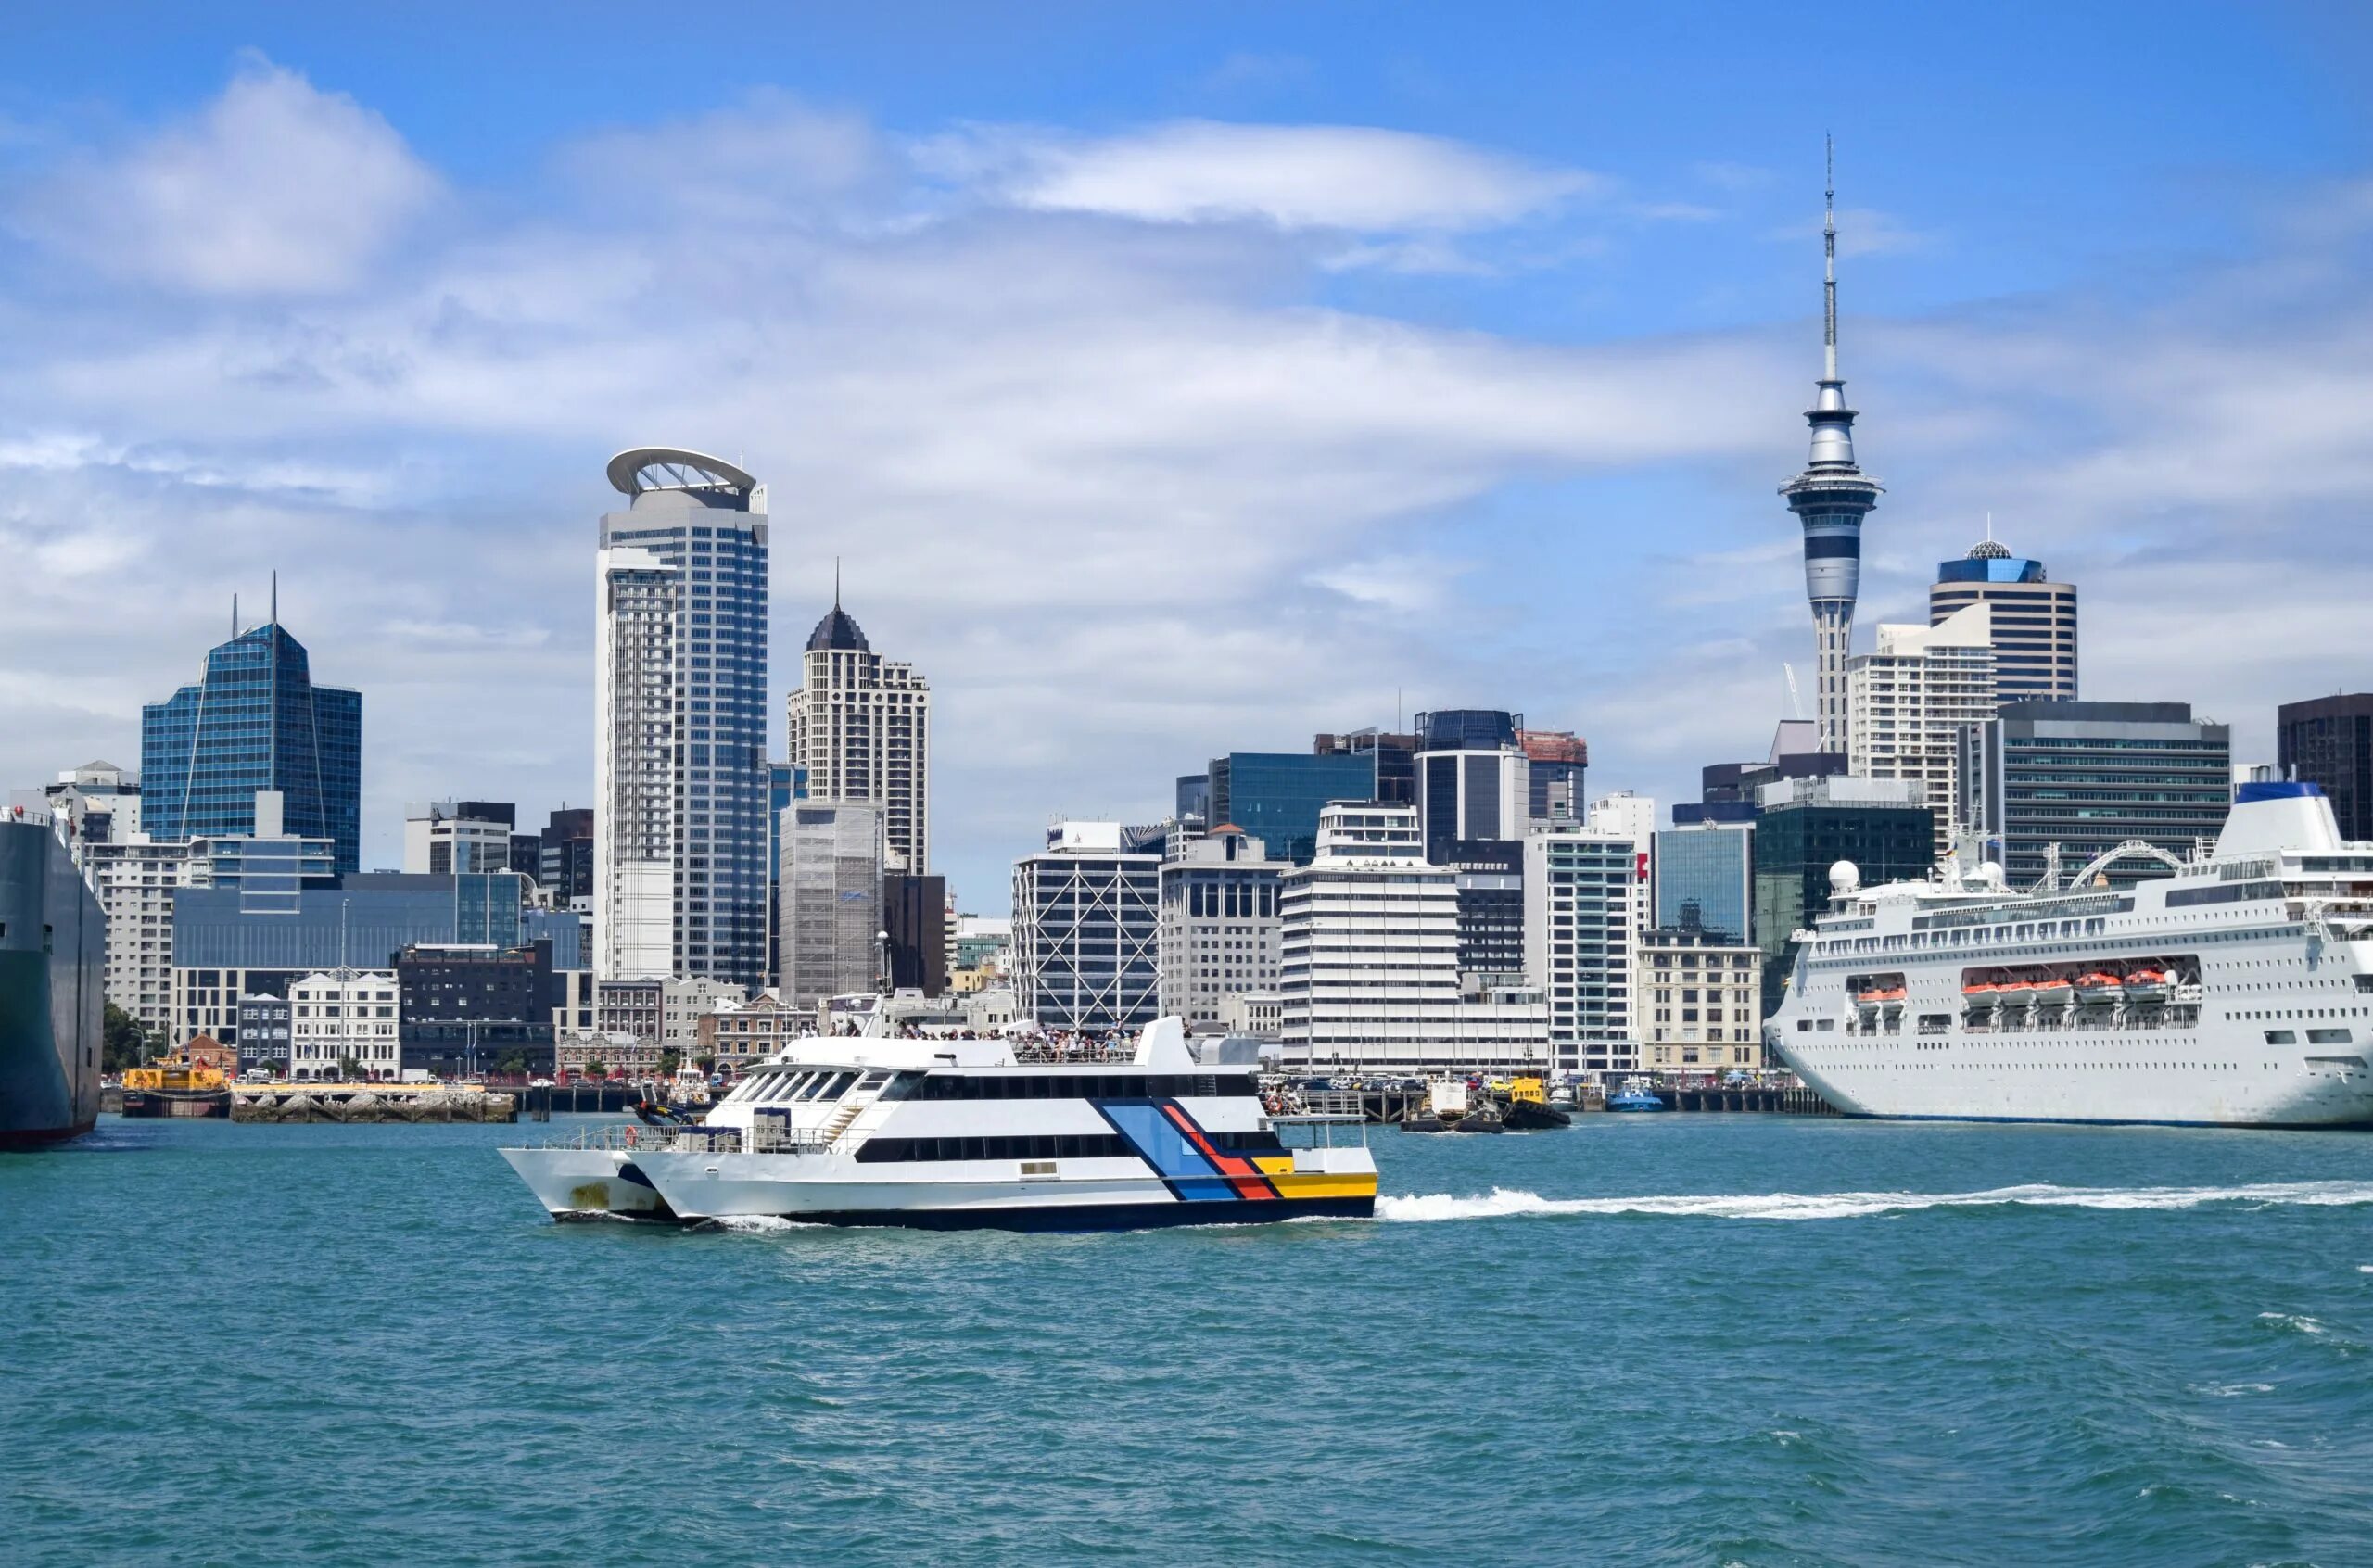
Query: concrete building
1088, 931
1556, 760
1260, 1013
2088, 777
254, 722
1583, 899
97, 803
2032, 620
1705, 880
1914, 697
681, 727
619, 1055
1474, 780
738, 1033
342, 1016
832, 900
1276, 796
861, 731
2329, 741
1219, 926
1702, 996
453, 836
1805, 826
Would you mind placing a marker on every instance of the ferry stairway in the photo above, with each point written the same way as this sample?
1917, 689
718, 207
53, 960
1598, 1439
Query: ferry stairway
840, 1124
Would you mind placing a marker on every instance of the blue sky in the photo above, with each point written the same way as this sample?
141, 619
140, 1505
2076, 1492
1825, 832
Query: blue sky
1171, 379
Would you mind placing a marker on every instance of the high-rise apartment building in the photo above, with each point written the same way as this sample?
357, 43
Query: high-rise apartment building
1830, 499
1582, 918
255, 721
2329, 741
681, 727
860, 730
449, 835
832, 900
1805, 826
1219, 926
1913, 700
2088, 777
1088, 929
2033, 621
135, 882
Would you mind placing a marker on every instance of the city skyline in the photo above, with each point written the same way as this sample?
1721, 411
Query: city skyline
1353, 435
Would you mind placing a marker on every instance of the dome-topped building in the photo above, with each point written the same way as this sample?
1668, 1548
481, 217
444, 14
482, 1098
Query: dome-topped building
860, 730
838, 629
2034, 619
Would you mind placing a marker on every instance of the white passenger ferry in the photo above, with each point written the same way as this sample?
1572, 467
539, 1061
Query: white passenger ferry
2236, 990
942, 1134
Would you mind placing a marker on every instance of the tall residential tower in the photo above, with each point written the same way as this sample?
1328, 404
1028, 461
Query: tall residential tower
1831, 498
860, 730
680, 740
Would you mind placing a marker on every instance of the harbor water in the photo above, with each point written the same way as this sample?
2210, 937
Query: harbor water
1649, 1340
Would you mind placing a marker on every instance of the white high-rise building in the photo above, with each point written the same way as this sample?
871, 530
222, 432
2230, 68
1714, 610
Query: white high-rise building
135, 881
860, 725
1087, 931
679, 857
1583, 898
832, 899
1912, 698
446, 838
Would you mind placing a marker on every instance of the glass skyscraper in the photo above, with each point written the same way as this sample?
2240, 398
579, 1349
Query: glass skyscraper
255, 721
1276, 796
1705, 880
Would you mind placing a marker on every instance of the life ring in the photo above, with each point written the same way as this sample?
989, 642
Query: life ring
630, 1137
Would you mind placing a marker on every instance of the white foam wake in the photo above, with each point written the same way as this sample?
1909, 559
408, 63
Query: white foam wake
1501, 1201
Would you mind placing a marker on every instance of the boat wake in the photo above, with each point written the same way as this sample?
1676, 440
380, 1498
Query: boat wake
1503, 1202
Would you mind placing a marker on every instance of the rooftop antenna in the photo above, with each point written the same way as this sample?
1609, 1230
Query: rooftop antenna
234, 617
275, 597
836, 582
1989, 527
1828, 258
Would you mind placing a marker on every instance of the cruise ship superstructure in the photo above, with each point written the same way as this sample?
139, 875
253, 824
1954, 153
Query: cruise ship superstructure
52, 967
937, 1133
2235, 991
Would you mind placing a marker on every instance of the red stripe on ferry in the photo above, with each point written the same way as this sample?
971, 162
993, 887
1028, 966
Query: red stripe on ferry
1242, 1175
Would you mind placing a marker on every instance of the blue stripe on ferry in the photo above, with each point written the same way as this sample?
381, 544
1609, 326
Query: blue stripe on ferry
1160, 1142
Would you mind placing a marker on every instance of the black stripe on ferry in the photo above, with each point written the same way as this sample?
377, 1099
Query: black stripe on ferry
1062, 1145
1083, 1086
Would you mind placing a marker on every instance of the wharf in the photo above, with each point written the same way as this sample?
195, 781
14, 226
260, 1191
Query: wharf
1768, 1100
370, 1103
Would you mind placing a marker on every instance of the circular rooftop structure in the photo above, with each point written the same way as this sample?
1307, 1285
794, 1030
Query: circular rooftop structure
638, 469
1989, 551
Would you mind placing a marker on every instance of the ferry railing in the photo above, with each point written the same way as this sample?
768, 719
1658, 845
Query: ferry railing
1322, 1127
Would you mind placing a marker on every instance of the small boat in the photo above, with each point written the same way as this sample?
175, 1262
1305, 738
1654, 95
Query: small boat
192, 1081
1533, 1115
1635, 1095
1484, 1118
1428, 1123
2017, 990
2054, 991
2146, 985
2100, 985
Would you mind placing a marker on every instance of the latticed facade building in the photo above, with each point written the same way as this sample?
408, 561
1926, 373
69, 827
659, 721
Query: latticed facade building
1087, 931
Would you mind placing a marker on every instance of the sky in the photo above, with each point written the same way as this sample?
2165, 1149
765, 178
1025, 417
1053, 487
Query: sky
1172, 380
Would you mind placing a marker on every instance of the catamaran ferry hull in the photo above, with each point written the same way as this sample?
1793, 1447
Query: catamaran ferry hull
589, 1183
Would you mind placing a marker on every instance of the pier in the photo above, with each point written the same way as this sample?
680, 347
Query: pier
370, 1103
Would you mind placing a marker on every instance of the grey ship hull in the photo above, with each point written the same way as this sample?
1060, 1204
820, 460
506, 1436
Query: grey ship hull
53, 964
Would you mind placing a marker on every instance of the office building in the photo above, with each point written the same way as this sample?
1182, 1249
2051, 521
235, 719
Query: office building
1555, 761
1219, 926
1193, 799
1583, 903
1488, 875
2329, 741
915, 916
1805, 826
2032, 620
1088, 931
1394, 756
1473, 779
1702, 995
1705, 880
1276, 796
465, 1009
680, 726
2088, 777
449, 835
342, 1026
565, 859
1914, 698
860, 730
255, 721
1830, 499
832, 900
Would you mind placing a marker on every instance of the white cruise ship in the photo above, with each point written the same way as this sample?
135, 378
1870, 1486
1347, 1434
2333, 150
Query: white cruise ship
2235, 991
942, 1133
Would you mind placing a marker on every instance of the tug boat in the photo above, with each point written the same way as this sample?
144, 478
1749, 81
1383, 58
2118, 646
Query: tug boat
958, 1134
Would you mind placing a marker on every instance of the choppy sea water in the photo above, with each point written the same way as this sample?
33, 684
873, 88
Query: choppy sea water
1651, 1339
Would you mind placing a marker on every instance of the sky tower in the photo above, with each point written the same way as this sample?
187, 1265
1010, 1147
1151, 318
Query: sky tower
1831, 498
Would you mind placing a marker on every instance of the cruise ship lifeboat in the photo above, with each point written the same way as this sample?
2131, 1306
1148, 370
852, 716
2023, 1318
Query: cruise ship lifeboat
2146, 984
2054, 991
2100, 985
2017, 990
1979, 996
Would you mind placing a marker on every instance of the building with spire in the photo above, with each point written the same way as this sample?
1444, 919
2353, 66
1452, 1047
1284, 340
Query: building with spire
860, 730
1830, 499
2034, 619
255, 721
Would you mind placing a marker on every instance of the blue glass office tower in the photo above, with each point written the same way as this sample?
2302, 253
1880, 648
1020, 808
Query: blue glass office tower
1706, 879
255, 721
1275, 796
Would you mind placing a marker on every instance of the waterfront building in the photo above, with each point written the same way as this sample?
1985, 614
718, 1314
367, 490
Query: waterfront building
1883, 826
1473, 778
1583, 898
860, 730
737, 1033
680, 728
1393, 756
453, 836
263, 1034
2087, 777
1088, 929
1489, 875
619, 1055
1913, 700
1830, 499
2032, 620
1276, 796
1705, 880
340, 1017
255, 721
1218, 935
565, 858
467, 1009
832, 899
1702, 995
914, 911
2328, 742
1555, 761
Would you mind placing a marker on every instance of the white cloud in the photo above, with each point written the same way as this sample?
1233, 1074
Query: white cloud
276, 188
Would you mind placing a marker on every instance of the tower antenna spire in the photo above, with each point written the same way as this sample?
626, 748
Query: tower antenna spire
836, 582
1829, 259
275, 597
